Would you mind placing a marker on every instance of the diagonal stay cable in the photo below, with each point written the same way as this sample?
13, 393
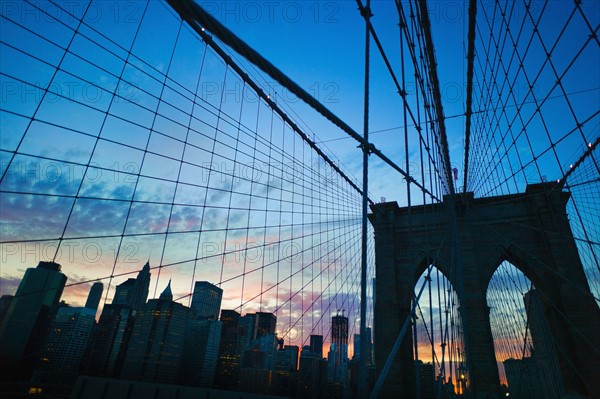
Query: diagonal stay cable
201, 20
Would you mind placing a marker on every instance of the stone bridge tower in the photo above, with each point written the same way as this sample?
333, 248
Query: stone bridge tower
467, 239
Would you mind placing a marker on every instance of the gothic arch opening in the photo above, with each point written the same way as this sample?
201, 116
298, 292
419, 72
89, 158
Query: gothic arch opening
526, 355
439, 351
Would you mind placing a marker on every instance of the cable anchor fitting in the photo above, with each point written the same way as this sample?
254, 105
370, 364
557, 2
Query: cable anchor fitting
370, 147
365, 12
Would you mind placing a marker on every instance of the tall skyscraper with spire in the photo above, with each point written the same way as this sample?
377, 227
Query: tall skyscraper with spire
139, 294
28, 317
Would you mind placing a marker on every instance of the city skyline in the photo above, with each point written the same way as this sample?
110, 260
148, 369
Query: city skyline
158, 341
105, 301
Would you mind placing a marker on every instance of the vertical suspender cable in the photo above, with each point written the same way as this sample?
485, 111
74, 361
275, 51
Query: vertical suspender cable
469, 102
362, 369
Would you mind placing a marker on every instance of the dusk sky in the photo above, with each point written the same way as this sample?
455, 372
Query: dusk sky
289, 223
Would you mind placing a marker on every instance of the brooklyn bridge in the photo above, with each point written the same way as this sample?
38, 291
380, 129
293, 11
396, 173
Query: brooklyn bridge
257, 199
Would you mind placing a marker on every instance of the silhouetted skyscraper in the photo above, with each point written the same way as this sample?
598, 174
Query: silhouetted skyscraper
316, 345
268, 345
294, 356
286, 364
139, 293
157, 339
247, 326
206, 301
357, 346
545, 355
109, 344
427, 380
93, 299
338, 352
339, 330
265, 323
312, 379
5, 301
231, 348
200, 353
65, 345
123, 292
28, 317
523, 377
